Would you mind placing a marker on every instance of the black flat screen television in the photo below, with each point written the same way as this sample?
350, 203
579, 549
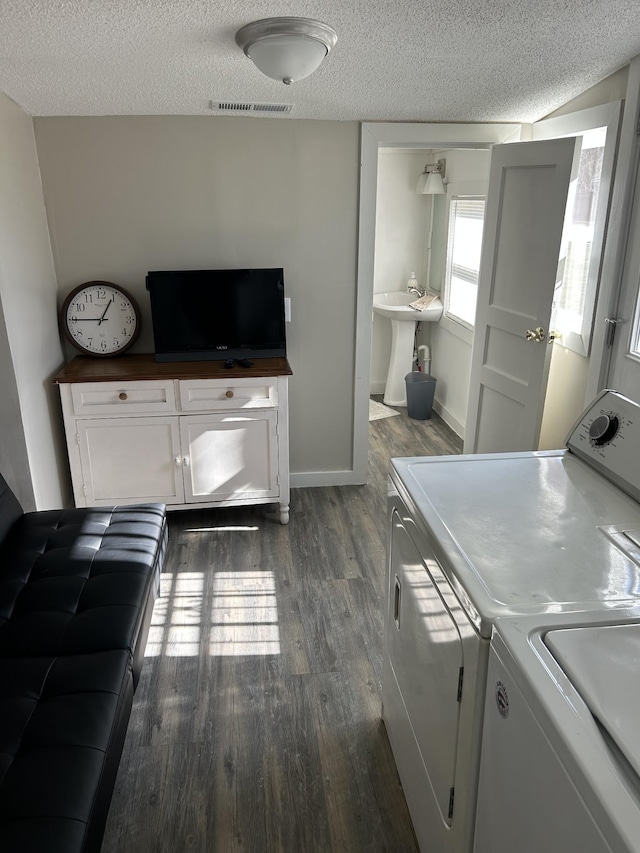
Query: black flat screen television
208, 315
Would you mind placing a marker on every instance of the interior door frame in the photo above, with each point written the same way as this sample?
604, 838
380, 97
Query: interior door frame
373, 137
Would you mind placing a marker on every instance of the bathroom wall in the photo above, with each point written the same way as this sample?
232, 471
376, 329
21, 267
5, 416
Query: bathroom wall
402, 219
466, 172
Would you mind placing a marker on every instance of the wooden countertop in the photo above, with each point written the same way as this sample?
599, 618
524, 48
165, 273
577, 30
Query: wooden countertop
144, 366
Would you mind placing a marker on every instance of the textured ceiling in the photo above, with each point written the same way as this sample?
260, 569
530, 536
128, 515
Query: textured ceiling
462, 60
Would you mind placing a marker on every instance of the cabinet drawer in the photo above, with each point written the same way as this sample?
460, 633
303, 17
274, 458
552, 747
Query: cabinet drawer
112, 398
216, 394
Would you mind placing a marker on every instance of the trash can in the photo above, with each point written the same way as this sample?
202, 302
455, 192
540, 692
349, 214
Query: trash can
421, 389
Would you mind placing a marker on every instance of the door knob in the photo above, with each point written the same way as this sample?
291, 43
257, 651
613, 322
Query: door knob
538, 334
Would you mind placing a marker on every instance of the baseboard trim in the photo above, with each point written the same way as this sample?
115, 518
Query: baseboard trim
449, 419
308, 479
377, 388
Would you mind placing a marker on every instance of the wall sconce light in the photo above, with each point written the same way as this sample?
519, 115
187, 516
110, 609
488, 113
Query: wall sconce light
431, 180
286, 49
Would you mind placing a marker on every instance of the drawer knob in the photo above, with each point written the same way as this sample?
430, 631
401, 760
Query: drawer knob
229, 393
122, 395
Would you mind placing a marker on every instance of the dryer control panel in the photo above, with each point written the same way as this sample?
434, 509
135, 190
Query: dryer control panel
607, 437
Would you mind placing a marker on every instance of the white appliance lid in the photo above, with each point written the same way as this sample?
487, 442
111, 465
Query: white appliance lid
602, 664
521, 533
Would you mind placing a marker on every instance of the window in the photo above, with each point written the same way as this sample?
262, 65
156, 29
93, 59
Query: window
464, 245
576, 295
586, 220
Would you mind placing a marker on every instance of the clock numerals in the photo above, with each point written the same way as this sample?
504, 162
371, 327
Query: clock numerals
88, 318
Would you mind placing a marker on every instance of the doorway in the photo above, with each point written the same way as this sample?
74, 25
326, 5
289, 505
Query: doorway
436, 237
375, 138
378, 137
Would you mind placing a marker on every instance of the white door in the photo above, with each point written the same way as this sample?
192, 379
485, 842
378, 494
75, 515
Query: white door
526, 203
624, 368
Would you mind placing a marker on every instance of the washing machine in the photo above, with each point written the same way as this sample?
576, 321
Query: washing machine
560, 765
473, 539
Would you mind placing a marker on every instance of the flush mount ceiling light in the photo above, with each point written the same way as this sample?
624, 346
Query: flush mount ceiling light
286, 49
430, 181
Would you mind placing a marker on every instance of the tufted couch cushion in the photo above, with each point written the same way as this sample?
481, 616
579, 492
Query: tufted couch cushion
78, 581
63, 726
76, 597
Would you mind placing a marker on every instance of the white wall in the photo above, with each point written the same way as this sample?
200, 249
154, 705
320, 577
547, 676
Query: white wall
402, 218
612, 88
31, 423
125, 195
466, 172
564, 399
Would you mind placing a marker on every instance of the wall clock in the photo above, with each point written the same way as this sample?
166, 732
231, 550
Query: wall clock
100, 319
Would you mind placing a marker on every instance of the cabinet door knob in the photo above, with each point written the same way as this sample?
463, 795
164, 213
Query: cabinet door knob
229, 393
122, 395
186, 461
178, 461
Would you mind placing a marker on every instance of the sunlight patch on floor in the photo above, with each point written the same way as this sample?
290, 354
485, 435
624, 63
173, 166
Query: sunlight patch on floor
243, 618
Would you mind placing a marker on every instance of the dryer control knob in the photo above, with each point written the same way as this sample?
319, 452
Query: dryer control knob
603, 429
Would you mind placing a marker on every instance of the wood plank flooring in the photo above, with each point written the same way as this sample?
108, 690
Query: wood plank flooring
256, 724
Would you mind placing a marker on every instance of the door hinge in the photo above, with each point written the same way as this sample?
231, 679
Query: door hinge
460, 678
78, 438
84, 489
612, 323
451, 796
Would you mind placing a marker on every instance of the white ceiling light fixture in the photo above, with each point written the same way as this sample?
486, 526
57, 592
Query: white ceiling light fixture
431, 181
286, 49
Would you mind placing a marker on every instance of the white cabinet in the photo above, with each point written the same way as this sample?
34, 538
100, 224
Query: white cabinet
183, 441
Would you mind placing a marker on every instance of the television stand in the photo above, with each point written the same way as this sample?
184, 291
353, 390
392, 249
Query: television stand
187, 434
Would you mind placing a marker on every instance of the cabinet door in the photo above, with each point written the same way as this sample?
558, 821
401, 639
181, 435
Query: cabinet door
131, 460
230, 457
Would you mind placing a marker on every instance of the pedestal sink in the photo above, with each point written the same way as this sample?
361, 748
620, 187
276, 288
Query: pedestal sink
395, 307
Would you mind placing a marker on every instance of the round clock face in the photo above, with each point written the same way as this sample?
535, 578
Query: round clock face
100, 318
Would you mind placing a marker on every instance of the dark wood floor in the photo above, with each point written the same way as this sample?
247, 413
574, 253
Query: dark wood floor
256, 725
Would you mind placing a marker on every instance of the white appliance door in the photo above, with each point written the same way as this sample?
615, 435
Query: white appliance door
426, 654
519, 271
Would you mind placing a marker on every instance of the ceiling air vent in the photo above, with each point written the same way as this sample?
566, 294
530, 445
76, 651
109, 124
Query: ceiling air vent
249, 108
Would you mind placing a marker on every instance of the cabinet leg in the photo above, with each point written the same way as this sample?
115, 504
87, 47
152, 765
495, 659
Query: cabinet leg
282, 515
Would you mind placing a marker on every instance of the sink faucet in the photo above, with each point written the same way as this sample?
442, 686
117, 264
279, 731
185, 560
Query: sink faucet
412, 285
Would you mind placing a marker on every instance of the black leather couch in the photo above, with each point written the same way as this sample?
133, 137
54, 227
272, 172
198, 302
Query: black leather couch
76, 596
